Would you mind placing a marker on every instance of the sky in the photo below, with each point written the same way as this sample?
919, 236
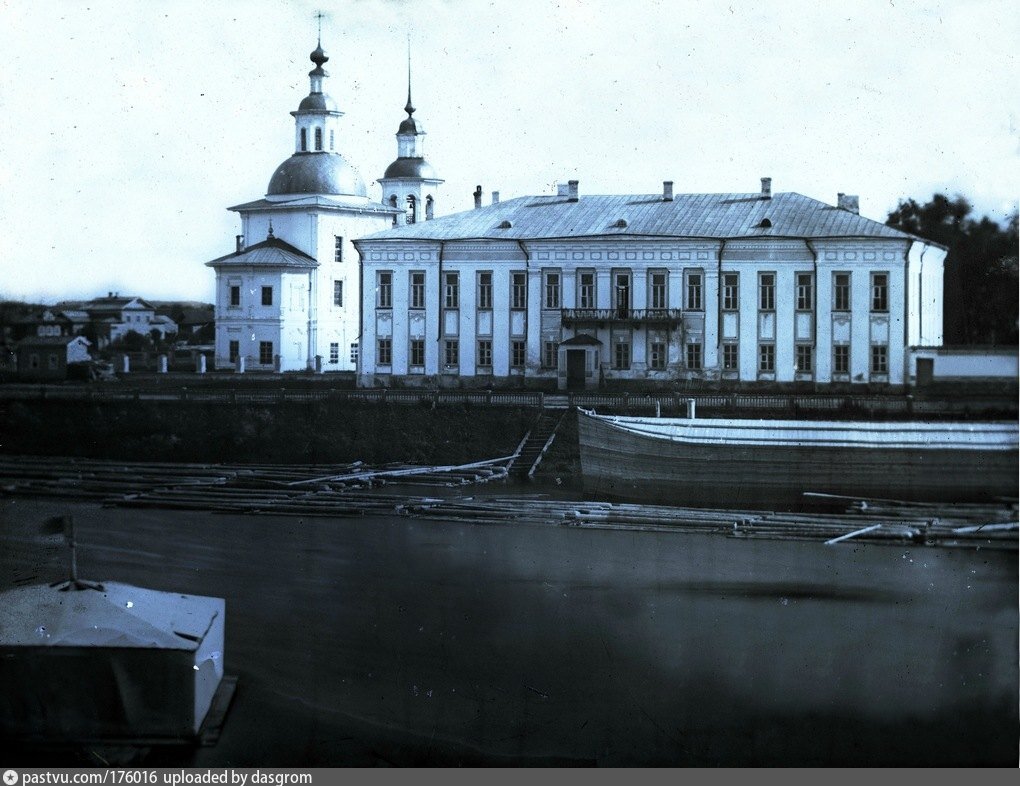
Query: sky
127, 128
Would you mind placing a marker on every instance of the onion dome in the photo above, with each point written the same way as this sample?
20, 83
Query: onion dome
316, 173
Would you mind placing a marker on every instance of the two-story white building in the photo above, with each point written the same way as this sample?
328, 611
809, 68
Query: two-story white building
574, 291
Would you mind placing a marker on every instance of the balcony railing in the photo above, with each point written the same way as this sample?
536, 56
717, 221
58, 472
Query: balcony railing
575, 316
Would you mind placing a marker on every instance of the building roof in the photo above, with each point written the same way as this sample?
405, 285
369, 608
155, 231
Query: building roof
51, 341
711, 216
117, 303
271, 252
411, 168
316, 173
581, 340
346, 203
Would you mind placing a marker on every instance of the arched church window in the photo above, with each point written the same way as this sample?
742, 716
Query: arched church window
428, 207
411, 205
318, 139
332, 135
304, 139
393, 203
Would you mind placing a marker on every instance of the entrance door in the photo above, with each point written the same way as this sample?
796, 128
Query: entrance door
575, 369
925, 371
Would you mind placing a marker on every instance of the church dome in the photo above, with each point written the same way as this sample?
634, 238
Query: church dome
411, 167
410, 126
316, 173
317, 102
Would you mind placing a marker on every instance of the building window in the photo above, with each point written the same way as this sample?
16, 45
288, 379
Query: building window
384, 289
451, 290
417, 352
265, 352
622, 295
451, 353
730, 298
267, 296
694, 356
879, 292
518, 291
518, 354
338, 248
354, 352
235, 296
840, 291
418, 289
332, 139
767, 291
766, 358
805, 291
657, 290
384, 352
485, 354
694, 301
33, 361
318, 139
484, 291
412, 208
621, 352
586, 289
841, 359
657, 355
334, 352
805, 359
338, 293
879, 359
550, 349
51, 362
233, 350
552, 290
304, 140
730, 355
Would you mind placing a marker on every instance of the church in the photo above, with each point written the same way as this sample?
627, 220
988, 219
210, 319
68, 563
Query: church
564, 291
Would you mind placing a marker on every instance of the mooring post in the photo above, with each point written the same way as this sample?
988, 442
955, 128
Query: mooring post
690, 408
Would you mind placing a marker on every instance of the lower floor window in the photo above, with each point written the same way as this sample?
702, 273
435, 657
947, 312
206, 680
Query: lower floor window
694, 355
518, 353
549, 352
417, 352
841, 359
265, 352
334, 353
354, 352
384, 355
805, 357
657, 355
879, 359
621, 355
233, 350
766, 358
485, 354
451, 352
729, 357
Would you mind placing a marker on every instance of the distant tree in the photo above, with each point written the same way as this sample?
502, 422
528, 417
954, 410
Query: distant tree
132, 341
980, 292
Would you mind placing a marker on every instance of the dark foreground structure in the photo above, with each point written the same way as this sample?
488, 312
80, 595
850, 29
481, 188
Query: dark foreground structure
391, 640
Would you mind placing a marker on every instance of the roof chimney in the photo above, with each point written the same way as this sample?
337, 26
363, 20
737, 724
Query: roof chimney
572, 191
240, 243
766, 188
495, 197
478, 197
849, 202
667, 190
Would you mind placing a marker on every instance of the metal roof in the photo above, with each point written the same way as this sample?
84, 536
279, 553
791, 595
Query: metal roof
713, 216
271, 252
316, 173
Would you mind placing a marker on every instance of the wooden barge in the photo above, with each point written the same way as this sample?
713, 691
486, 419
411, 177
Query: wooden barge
763, 463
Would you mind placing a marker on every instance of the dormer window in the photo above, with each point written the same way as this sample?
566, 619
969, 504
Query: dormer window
318, 139
304, 140
765, 224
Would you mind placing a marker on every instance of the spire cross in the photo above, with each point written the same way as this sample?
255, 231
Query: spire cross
319, 16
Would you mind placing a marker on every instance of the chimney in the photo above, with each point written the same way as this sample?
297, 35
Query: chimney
495, 197
478, 197
849, 202
562, 189
667, 190
766, 188
240, 243
109, 294
572, 191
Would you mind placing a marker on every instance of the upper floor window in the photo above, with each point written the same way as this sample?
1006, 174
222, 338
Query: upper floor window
451, 290
417, 289
267, 296
485, 290
840, 291
730, 294
767, 291
657, 289
586, 289
518, 290
334, 353
412, 207
552, 290
805, 291
622, 294
694, 284
318, 139
235, 295
384, 289
304, 139
338, 293
879, 292
429, 207
338, 248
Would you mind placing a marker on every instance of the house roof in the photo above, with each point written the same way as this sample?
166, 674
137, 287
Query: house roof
581, 340
50, 341
711, 216
304, 201
271, 252
117, 303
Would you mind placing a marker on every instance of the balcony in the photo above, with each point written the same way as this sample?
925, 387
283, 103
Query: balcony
632, 316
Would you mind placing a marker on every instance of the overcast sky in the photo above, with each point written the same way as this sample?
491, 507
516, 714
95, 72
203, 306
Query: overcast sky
127, 128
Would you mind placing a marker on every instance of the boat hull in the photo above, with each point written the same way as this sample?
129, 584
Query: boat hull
621, 463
